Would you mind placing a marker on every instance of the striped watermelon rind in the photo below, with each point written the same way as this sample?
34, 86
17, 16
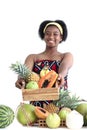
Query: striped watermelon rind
6, 116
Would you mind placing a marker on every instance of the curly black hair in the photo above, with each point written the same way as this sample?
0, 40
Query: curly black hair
44, 23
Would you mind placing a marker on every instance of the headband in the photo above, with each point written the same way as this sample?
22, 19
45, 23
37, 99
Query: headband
56, 24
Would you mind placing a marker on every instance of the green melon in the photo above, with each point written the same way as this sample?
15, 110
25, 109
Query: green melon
82, 109
85, 120
25, 114
6, 116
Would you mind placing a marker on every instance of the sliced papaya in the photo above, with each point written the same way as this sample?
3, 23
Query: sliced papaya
41, 112
48, 80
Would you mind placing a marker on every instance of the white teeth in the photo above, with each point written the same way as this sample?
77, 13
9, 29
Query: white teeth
51, 41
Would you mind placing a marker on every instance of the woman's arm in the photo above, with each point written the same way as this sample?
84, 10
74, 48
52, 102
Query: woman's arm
65, 65
29, 61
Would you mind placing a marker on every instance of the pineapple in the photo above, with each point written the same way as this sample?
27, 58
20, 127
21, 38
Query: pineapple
65, 100
52, 108
24, 72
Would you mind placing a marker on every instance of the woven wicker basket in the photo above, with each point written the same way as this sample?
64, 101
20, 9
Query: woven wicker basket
42, 123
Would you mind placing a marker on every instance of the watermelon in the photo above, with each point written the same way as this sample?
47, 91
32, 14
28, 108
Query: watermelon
6, 116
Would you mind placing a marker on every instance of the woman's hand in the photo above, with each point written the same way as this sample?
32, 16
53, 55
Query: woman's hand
60, 80
20, 83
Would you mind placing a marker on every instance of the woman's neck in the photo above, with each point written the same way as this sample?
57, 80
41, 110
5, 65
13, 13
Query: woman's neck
51, 51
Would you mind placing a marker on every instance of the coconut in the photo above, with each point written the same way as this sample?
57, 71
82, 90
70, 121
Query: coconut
74, 120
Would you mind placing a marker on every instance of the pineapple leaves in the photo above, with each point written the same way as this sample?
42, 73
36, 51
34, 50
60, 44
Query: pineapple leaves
20, 69
24, 72
65, 100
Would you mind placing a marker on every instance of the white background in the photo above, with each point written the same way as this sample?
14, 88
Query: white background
19, 23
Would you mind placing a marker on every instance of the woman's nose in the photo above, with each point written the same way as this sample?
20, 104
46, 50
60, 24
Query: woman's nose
51, 35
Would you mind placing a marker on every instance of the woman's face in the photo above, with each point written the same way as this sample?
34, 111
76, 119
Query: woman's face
52, 36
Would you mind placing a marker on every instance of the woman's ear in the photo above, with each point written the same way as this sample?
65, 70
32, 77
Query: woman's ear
61, 38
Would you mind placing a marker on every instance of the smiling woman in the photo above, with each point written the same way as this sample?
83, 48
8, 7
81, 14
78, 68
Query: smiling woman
19, 38
53, 33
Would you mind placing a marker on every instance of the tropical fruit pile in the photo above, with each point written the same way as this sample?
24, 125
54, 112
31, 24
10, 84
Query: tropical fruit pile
28, 115
45, 79
51, 115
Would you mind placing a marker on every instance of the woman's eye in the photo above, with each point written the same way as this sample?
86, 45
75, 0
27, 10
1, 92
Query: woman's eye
56, 34
47, 33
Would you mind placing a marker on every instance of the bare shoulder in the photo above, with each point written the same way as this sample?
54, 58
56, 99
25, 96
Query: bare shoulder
29, 61
31, 57
68, 55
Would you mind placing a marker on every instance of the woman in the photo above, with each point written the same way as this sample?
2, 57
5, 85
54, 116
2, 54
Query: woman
53, 33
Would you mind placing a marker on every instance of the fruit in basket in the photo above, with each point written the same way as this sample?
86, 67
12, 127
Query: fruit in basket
32, 85
25, 114
41, 112
53, 120
23, 71
64, 112
48, 80
82, 109
6, 116
44, 71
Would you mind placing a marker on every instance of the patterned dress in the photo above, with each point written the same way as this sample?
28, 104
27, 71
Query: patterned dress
53, 65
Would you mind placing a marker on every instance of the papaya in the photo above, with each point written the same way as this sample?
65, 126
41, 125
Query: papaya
41, 112
48, 80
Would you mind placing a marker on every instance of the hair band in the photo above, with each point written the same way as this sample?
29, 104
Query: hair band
56, 24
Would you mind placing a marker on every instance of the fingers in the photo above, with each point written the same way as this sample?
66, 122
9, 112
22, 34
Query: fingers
20, 83
23, 84
17, 84
60, 80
